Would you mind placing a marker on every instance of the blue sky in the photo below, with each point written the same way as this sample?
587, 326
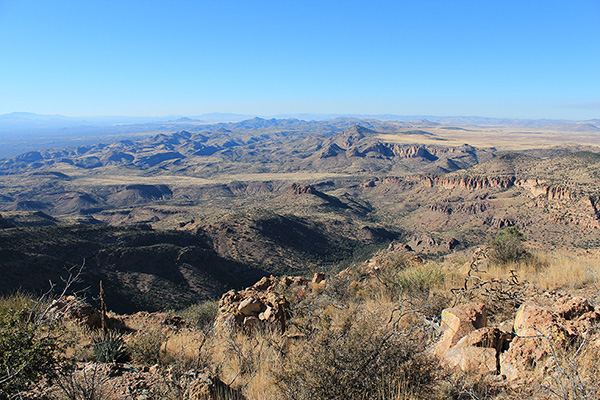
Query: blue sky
520, 59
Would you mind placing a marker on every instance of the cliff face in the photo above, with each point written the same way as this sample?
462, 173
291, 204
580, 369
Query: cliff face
414, 151
551, 192
563, 204
475, 182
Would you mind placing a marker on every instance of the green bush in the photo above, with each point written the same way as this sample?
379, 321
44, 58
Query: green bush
507, 247
201, 315
420, 278
30, 350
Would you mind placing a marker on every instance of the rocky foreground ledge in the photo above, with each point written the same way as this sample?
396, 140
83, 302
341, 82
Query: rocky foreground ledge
521, 349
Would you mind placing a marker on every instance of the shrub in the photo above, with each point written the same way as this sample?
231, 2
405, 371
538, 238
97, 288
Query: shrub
29, 349
360, 359
201, 315
507, 247
88, 383
399, 274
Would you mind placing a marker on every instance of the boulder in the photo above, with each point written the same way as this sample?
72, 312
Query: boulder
459, 321
266, 315
318, 277
77, 309
524, 356
525, 353
478, 351
253, 307
487, 337
572, 307
286, 281
583, 323
473, 359
539, 329
533, 320
249, 306
264, 283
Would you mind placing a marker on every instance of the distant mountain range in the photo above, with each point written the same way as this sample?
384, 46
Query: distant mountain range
22, 131
182, 209
26, 120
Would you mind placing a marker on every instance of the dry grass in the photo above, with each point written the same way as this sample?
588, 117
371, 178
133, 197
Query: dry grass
361, 315
568, 271
546, 271
499, 137
117, 177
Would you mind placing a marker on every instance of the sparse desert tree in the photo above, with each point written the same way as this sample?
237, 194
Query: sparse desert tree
508, 247
30, 349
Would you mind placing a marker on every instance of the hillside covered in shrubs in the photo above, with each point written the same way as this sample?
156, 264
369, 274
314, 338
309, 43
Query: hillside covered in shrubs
498, 322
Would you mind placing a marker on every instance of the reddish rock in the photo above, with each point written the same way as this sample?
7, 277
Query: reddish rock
487, 337
583, 323
249, 306
473, 359
532, 320
478, 351
458, 322
318, 277
572, 307
524, 356
538, 332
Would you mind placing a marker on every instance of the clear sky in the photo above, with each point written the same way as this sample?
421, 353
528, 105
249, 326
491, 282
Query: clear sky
520, 59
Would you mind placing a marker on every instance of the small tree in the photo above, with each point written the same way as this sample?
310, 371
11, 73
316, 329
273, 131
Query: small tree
507, 247
29, 349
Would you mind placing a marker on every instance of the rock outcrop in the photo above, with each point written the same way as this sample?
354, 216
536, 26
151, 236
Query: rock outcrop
475, 182
77, 309
458, 322
537, 331
263, 304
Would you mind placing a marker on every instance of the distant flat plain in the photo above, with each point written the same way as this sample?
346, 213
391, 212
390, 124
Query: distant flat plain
502, 138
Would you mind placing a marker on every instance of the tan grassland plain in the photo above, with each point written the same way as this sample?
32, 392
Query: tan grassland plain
90, 180
502, 138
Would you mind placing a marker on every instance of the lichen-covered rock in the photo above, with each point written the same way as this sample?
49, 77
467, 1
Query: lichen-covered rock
458, 322
533, 320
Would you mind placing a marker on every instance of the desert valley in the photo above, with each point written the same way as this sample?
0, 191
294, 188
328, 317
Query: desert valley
470, 246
